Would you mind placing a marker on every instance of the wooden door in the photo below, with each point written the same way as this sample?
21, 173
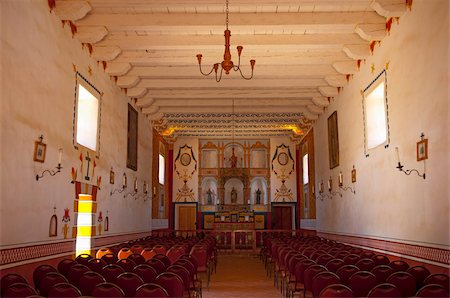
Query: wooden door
282, 218
187, 217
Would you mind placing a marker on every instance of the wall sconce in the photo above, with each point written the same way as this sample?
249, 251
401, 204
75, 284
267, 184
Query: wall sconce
134, 192
124, 186
321, 194
58, 167
422, 154
330, 188
341, 182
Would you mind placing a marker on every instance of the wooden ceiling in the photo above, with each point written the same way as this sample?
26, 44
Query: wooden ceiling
305, 51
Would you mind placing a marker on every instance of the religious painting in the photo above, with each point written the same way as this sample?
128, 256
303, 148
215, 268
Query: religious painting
132, 138
111, 177
39, 151
353, 175
333, 140
208, 221
422, 150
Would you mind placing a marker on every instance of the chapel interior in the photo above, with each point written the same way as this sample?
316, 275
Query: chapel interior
248, 135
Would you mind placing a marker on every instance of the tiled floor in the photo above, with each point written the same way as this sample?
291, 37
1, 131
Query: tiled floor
241, 275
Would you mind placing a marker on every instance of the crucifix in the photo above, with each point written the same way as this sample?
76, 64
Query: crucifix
89, 161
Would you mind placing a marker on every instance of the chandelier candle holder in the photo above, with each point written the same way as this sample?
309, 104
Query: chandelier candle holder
227, 64
345, 188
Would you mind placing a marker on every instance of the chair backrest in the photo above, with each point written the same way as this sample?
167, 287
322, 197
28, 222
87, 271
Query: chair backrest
440, 279
334, 264
324, 259
174, 253
63, 290
83, 259
49, 280
399, 265
183, 273
151, 290
156, 264
322, 280
365, 264
75, 273
137, 249
404, 281
345, 272
432, 290
172, 283
64, 266
129, 282
126, 264
362, 282
148, 253
300, 268
310, 273
124, 252
164, 259
351, 259
341, 254
107, 289
10, 279
88, 281
96, 265
420, 273
380, 260
110, 258
110, 272
137, 258
146, 272
19, 290
384, 290
103, 251
202, 258
382, 272
367, 254
160, 249
336, 290
39, 272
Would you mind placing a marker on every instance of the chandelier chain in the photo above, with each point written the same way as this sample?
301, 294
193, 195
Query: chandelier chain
227, 11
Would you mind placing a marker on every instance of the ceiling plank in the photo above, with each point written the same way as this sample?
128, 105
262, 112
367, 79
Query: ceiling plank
72, 10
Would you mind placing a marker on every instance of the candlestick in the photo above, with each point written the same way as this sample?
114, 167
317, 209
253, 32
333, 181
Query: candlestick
60, 156
341, 179
329, 184
398, 154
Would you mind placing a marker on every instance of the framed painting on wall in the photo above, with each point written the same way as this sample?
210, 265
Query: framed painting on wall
333, 140
132, 137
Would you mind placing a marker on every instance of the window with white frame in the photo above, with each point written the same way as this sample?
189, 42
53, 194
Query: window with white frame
87, 115
375, 113
161, 169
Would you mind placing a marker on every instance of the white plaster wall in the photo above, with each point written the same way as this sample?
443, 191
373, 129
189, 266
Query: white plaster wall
193, 182
37, 90
274, 181
388, 203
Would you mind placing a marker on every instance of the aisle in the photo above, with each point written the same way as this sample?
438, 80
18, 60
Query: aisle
240, 276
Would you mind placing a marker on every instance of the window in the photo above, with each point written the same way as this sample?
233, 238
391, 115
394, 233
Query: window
305, 169
161, 169
375, 113
87, 115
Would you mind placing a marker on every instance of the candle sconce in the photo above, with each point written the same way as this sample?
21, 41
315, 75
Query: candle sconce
341, 182
124, 186
322, 194
40, 151
330, 188
134, 193
422, 155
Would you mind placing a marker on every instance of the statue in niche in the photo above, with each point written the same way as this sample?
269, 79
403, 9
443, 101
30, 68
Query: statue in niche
233, 196
258, 196
233, 158
210, 196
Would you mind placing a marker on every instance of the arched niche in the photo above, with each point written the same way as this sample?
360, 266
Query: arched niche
53, 227
209, 189
261, 184
238, 153
238, 186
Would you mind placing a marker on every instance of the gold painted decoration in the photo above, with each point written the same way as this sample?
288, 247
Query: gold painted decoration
282, 162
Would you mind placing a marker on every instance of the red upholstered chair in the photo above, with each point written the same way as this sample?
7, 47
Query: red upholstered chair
420, 273
110, 272
341, 254
324, 259
345, 272
127, 264
336, 291
10, 279
380, 260
309, 274
65, 290
146, 272
102, 251
440, 279
151, 290
129, 282
64, 266
88, 281
184, 274
83, 259
365, 264
110, 258
19, 289
299, 272
203, 267
361, 283
196, 285
404, 281
49, 280
75, 273
382, 272
351, 259
137, 258
356, 250
137, 249
384, 290
399, 265
323, 280
96, 265
124, 253
172, 283
39, 272
174, 253
148, 253
160, 249
334, 264
107, 289
156, 264
432, 290
307, 252
367, 254
164, 259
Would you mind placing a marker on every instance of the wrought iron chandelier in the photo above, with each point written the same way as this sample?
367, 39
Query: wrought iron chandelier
226, 64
